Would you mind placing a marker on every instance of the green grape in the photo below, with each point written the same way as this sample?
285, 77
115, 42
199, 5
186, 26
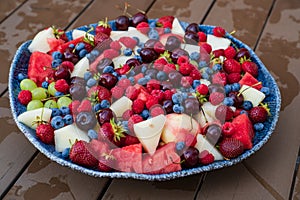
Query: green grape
50, 104
27, 84
63, 101
39, 93
51, 89
34, 104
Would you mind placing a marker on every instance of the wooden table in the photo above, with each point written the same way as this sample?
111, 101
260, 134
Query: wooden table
270, 27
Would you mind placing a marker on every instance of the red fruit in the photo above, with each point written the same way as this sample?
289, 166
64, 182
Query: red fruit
117, 92
231, 148
250, 67
202, 89
74, 106
233, 78
205, 48
151, 102
102, 40
216, 98
69, 65
228, 129
182, 60
164, 21
112, 132
230, 52
185, 68
219, 31
103, 27
232, 66
124, 69
131, 92
249, 80
85, 106
143, 27
124, 83
128, 42
186, 81
258, 114
219, 78
138, 106
103, 93
39, 67
24, 97
45, 133
158, 94
157, 110
79, 154
159, 48
110, 53
206, 158
106, 163
245, 131
130, 140
202, 36
224, 113
217, 53
61, 85
133, 120
168, 94
169, 68
161, 61
127, 114
54, 43
115, 45
153, 85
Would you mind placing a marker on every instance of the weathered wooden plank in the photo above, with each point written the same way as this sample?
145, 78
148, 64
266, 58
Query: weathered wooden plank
232, 183
99, 10
296, 189
7, 7
15, 149
183, 188
48, 180
278, 49
245, 16
23, 24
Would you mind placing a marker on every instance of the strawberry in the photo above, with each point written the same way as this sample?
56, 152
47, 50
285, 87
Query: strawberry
202, 89
85, 106
133, 120
117, 92
102, 41
216, 98
128, 42
79, 154
143, 27
61, 85
103, 27
232, 66
231, 147
250, 67
138, 106
169, 68
69, 65
230, 52
206, 158
24, 97
45, 133
113, 132
74, 106
164, 21
258, 114
202, 36
123, 70
233, 77
219, 31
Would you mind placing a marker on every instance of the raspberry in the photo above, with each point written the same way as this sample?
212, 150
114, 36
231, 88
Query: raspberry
143, 27
151, 102
124, 83
205, 48
161, 61
228, 129
233, 78
69, 65
167, 25
153, 85
110, 53
131, 92
85, 106
206, 158
216, 98
158, 94
186, 81
74, 106
117, 92
229, 52
185, 68
157, 110
115, 45
168, 95
195, 74
182, 60
61, 85
45, 133
138, 106
202, 89
127, 114
133, 120
128, 42
219, 31
232, 66
202, 36
219, 78
24, 97
169, 68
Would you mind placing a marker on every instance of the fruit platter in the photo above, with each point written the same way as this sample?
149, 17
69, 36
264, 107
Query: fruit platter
150, 99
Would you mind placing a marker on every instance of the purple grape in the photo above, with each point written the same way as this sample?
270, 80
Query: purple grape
242, 53
175, 78
150, 43
77, 91
172, 43
238, 99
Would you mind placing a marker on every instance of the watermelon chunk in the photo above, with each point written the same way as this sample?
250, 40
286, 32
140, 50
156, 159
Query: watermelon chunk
249, 80
244, 132
97, 148
129, 158
39, 67
165, 160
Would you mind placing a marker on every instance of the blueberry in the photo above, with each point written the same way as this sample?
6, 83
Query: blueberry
180, 146
202, 64
68, 119
92, 134
58, 154
80, 46
209, 71
87, 76
177, 98
58, 94
127, 52
153, 34
131, 79
136, 39
138, 57
205, 75
57, 122
161, 76
244, 112
131, 73
55, 112
196, 83
45, 84
65, 110
216, 67
82, 53
178, 109
65, 153
247, 105
227, 88
265, 90
195, 55
71, 46
55, 63
21, 76
125, 124
152, 24
141, 44
105, 104
258, 126
235, 87
145, 114
228, 101
115, 74
144, 69
95, 52
167, 30
91, 82
97, 107
108, 69
142, 81
57, 55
